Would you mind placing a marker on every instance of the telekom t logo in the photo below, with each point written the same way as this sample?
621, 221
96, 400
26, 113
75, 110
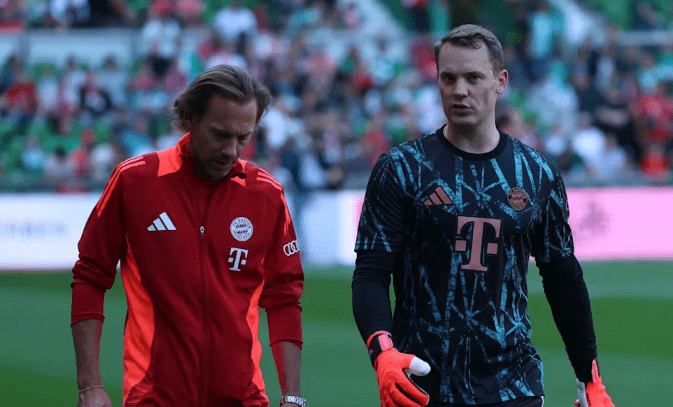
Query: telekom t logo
238, 257
477, 241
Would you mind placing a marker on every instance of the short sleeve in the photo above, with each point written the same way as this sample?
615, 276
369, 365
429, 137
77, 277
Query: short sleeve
381, 224
552, 238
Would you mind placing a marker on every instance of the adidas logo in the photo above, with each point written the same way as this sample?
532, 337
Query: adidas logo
439, 197
163, 222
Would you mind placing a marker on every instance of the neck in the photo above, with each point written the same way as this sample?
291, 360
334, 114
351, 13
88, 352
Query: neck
472, 140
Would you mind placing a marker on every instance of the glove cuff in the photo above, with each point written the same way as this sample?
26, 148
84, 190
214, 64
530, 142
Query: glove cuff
378, 343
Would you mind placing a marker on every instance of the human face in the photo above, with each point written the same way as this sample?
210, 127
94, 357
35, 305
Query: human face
218, 139
468, 86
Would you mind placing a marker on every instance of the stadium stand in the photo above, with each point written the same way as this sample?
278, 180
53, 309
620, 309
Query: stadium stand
85, 87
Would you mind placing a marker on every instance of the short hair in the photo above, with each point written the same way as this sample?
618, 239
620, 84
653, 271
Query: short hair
473, 36
230, 82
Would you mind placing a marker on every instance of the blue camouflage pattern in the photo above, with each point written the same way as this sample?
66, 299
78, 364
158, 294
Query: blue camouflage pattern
467, 225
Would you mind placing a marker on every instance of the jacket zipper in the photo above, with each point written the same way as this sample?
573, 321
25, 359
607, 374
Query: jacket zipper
204, 346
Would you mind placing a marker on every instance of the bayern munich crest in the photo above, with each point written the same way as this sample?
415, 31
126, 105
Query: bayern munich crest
517, 198
241, 229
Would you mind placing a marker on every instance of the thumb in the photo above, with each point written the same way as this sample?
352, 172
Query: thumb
419, 367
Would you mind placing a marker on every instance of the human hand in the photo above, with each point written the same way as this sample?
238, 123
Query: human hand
94, 397
593, 394
396, 388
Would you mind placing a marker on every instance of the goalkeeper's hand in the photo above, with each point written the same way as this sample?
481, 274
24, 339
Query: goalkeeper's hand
593, 394
396, 388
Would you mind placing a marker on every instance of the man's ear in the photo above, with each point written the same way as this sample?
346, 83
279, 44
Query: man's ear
503, 79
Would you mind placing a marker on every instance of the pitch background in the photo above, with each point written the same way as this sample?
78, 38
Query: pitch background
633, 315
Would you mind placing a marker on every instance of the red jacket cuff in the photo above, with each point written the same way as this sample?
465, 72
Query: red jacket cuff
87, 302
285, 324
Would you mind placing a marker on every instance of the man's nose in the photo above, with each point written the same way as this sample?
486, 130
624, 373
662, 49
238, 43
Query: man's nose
229, 147
460, 88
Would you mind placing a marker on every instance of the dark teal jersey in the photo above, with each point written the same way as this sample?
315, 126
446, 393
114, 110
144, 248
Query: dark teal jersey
466, 225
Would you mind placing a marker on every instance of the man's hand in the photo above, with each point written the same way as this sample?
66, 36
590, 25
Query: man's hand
396, 388
593, 394
95, 397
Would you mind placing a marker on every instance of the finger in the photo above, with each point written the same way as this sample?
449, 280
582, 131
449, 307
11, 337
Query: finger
419, 367
403, 400
413, 390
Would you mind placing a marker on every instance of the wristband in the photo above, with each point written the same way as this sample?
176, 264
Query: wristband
379, 342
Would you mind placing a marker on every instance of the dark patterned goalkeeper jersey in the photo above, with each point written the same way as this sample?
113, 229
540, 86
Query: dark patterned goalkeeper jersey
466, 225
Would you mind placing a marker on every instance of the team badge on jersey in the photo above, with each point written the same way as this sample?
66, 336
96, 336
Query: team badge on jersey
517, 198
241, 229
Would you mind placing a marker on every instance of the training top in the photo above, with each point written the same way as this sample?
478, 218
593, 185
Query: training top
197, 259
465, 226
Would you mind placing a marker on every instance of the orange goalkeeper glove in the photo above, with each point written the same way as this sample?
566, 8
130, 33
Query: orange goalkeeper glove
593, 394
396, 388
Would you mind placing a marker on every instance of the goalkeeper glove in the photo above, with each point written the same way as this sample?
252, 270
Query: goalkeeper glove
396, 388
593, 394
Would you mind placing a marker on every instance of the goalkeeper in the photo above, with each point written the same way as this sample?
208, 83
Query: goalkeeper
454, 217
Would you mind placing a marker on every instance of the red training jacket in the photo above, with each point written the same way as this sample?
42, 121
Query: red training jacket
197, 259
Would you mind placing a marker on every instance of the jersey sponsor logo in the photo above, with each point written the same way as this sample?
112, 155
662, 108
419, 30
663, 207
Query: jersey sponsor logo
438, 197
517, 198
239, 257
163, 222
291, 248
474, 262
241, 229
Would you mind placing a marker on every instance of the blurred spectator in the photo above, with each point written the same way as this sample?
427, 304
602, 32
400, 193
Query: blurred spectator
189, 12
33, 157
80, 157
374, 141
613, 163
143, 79
67, 13
234, 21
648, 73
418, 14
72, 80
175, 80
48, 91
645, 17
58, 170
110, 13
588, 143
19, 100
540, 40
12, 15
113, 80
160, 33
613, 116
94, 99
588, 96
12, 67
655, 165
654, 116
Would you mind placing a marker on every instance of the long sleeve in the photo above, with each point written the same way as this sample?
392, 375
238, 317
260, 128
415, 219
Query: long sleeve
568, 298
284, 281
371, 291
101, 246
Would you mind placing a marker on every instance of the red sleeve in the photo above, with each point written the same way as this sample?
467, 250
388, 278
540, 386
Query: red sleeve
284, 281
101, 246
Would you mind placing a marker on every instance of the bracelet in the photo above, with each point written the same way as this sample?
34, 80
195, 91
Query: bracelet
100, 386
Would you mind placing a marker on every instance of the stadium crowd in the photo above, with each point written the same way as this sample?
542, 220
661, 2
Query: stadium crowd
602, 109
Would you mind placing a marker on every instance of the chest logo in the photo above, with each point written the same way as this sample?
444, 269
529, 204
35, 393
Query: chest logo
517, 198
163, 222
438, 197
241, 229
